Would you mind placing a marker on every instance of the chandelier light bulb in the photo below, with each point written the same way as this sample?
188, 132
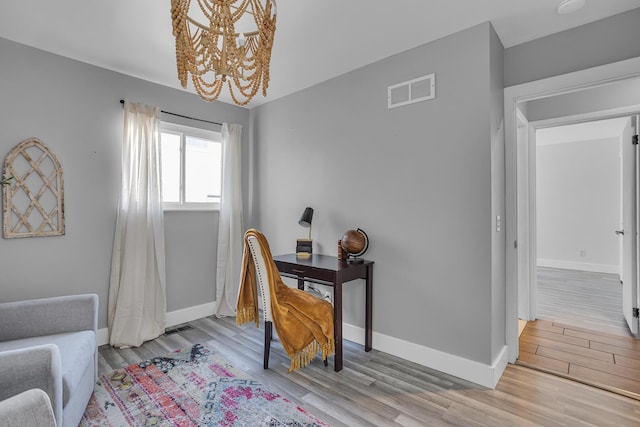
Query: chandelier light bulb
242, 40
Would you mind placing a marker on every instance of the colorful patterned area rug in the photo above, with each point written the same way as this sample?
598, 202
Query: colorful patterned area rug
189, 387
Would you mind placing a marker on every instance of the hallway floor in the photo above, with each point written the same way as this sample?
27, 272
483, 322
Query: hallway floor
581, 298
607, 361
581, 333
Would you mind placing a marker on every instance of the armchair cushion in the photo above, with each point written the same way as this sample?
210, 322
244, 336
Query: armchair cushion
76, 349
39, 317
29, 408
33, 367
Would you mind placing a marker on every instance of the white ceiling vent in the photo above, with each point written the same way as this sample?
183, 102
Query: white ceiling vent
409, 92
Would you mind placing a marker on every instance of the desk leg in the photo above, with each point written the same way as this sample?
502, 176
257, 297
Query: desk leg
337, 324
301, 283
368, 339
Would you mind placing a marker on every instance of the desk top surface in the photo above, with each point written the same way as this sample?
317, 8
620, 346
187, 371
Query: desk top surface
326, 262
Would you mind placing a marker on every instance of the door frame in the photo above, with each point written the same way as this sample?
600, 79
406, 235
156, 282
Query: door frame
529, 196
526, 235
516, 226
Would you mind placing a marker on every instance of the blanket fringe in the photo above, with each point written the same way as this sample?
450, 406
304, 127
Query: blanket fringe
246, 314
306, 355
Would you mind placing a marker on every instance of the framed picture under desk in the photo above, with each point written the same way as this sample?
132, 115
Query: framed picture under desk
330, 271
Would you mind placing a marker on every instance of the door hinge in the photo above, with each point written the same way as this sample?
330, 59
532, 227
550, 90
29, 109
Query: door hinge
636, 312
515, 244
634, 140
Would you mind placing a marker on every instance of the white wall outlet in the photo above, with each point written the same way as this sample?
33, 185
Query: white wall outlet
582, 253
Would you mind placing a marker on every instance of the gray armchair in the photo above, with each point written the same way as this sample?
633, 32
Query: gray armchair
27, 409
50, 344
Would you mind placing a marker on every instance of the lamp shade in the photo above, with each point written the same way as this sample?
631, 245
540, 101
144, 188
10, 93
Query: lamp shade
307, 216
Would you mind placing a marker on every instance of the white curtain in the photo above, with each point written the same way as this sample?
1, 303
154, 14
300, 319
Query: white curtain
137, 300
230, 229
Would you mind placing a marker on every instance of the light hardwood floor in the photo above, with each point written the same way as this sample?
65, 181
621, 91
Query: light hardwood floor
596, 358
377, 389
581, 332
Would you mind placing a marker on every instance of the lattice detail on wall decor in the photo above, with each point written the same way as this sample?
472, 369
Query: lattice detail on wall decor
33, 202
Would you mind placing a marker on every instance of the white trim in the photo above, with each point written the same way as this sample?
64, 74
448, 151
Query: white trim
470, 370
565, 83
177, 129
173, 318
527, 223
526, 213
103, 336
499, 365
174, 207
188, 314
611, 113
582, 266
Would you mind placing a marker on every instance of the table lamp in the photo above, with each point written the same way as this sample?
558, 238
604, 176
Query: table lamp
304, 246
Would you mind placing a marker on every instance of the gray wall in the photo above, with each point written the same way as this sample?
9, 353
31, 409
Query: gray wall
417, 178
74, 108
578, 208
602, 42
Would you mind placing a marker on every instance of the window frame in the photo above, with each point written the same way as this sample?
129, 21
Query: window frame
184, 131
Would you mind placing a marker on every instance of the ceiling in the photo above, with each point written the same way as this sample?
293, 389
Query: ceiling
315, 40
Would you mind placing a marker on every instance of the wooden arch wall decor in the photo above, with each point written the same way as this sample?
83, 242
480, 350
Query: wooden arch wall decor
33, 202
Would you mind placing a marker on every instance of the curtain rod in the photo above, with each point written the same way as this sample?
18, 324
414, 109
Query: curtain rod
183, 116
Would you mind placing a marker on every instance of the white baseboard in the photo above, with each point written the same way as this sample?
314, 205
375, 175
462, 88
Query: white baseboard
172, 318
103, 336
476, 372
188, 314
582, 266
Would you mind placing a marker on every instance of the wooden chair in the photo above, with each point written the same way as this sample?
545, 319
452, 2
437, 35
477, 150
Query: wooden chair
262, 278
263, 284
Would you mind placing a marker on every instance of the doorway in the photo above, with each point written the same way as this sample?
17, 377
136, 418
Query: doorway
518, 230
566, 350
588, 185
578, 220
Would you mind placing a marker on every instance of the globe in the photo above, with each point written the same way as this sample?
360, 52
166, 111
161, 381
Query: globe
355, 242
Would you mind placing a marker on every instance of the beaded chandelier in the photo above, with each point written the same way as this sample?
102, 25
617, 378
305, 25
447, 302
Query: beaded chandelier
214, 53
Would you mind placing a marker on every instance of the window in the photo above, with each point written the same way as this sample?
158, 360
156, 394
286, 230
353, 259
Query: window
191, 168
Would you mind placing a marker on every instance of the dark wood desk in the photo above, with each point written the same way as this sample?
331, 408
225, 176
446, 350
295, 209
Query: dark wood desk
328, 270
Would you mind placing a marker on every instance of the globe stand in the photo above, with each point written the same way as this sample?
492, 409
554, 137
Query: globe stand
353, 257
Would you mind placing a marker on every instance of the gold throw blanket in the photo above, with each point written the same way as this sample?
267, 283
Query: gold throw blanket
303, 322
